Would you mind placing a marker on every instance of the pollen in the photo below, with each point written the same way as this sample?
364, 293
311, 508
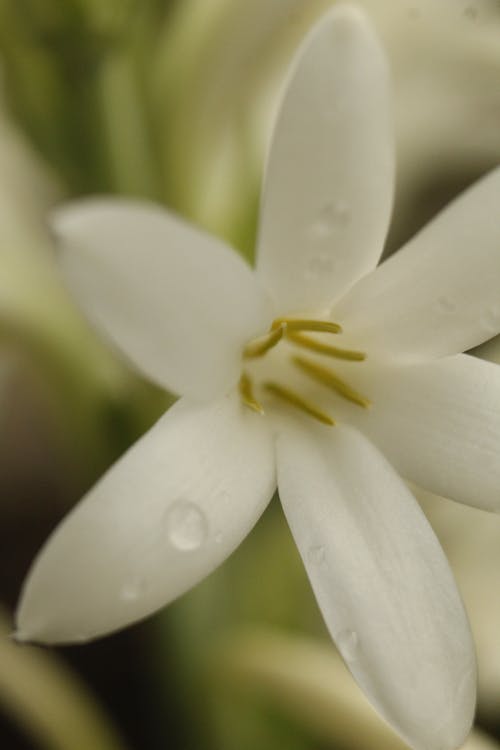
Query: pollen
295, 331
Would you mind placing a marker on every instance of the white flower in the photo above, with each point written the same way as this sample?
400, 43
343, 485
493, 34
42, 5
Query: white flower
191, 315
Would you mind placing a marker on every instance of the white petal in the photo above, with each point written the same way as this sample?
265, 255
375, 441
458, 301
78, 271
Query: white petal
382, 582
440, 294
439, 424
173, 508
177, 301
329, 181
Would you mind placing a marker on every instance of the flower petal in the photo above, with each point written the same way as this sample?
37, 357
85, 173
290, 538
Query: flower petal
178, 302
439, 424
330, 173
382, 582
439, 295
173, 508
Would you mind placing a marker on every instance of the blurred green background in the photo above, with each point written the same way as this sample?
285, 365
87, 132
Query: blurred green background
173, 100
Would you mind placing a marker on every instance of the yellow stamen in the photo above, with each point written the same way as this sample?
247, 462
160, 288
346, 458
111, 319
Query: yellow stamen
296, 324
246, 393
333, 351
258, 347
295, 400
327, 377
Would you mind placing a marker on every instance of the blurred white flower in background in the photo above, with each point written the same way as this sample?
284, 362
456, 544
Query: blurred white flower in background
471, 541
184, 310
305, 679
222, 63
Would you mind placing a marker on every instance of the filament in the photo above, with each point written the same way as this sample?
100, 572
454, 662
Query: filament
327, 377
259, 347
294, 399
298, 324
332, 351
246, 392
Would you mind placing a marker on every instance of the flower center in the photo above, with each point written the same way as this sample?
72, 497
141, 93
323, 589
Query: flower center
295, 334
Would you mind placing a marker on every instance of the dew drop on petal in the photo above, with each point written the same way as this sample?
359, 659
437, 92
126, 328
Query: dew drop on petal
319, 264
133, 589
316, 555
333, 215
471, 13
446, 305
348, 643
186, 526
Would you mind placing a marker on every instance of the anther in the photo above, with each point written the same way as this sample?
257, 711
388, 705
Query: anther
298, 324
258, 347
329, 378
294, 399
332, 351
246, 392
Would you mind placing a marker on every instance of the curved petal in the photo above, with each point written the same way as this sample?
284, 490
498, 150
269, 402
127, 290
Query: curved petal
382, 583
439, 424
440, 294
176, 301
173, 508
330, 173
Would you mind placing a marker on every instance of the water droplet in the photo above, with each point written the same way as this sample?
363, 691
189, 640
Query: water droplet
316, 555
446, 305
333, 215
186, 526
471, 13
348, 643
490, 319
133, 589
319, 264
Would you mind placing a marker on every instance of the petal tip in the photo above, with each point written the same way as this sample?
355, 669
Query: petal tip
350, 13
343, 19
20, 637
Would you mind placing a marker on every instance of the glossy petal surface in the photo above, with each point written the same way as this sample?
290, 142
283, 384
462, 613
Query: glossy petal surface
329, 179
440, 294
172, 509
382, 582
176, 301
439, 425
